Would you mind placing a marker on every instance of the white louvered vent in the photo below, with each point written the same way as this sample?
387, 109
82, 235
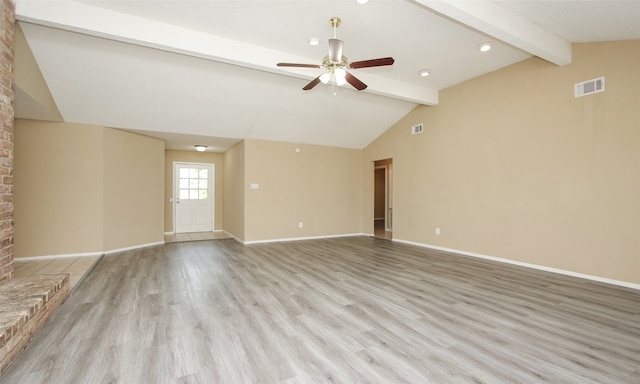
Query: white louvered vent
418, 128
588, 87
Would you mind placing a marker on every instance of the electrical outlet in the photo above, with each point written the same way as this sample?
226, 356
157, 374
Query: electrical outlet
300, 225
437, 231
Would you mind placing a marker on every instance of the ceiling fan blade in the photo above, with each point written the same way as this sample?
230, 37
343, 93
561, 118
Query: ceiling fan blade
372, 63
335, 50
357, 84
312, 84
298, 65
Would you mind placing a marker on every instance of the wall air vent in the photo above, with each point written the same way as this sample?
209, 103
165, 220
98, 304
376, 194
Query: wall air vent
588, 87
418, 128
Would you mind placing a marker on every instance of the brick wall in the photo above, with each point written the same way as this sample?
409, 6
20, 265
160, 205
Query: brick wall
7, 42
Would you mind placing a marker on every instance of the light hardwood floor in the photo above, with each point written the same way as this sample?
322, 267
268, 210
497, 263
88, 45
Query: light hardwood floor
79, 267
344, 310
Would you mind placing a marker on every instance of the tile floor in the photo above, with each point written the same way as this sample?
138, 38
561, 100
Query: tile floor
195, 236
76, 267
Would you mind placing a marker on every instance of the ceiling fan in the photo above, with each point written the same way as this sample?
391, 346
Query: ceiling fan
336, 65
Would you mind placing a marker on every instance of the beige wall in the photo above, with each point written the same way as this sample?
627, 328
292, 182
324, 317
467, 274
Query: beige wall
133, 189
234, 191
194, 157
511, 165
83, 189
58, 188
318, 186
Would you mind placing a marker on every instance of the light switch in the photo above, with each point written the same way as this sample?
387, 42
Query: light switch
255, 185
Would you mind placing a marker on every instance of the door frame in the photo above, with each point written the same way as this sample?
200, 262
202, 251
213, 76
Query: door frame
387, 165
212, 192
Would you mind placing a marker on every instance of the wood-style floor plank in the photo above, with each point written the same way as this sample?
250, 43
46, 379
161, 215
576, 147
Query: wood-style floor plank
345, 310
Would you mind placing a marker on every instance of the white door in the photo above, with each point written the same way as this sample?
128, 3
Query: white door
193, 197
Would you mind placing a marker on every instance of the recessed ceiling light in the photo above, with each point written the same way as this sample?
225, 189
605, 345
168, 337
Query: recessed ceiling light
362, 1
484, 47
424, 72
314, 41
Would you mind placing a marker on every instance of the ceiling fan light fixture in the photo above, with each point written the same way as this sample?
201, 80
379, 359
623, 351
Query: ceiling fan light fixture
340, 75
200, 147
424, 72
325, 77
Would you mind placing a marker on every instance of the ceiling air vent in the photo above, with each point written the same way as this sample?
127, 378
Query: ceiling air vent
418, 128
588, 87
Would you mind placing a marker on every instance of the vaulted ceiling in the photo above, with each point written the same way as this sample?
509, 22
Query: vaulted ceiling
204, 72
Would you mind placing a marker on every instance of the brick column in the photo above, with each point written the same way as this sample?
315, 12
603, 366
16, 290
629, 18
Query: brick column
7, 60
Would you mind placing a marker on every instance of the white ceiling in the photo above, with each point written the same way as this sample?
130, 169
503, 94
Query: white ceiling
204, 72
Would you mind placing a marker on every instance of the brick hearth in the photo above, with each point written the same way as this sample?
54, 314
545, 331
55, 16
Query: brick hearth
26, 303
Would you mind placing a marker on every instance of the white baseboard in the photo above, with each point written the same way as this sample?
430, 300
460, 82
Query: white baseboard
111, 251
86, 254
527, 265
298, 238
60, 256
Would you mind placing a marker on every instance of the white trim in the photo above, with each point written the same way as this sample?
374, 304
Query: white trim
298, 238
169, 233
111, 251
527, 265
239, 240
87, 254
388, 194
61, 256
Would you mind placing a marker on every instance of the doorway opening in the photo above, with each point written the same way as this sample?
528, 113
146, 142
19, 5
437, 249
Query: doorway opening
383, 199
193, 207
